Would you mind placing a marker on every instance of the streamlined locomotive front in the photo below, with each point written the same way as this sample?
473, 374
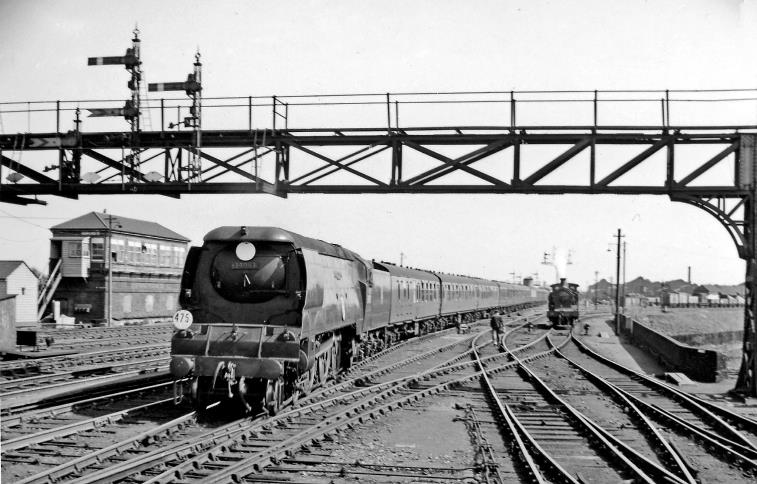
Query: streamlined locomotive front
242, 292
267, 309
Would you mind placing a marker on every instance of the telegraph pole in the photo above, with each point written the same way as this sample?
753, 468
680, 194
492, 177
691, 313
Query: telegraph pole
109, 255
623, 300
596, 282
617, 283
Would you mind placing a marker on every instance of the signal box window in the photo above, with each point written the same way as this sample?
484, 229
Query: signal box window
98, 248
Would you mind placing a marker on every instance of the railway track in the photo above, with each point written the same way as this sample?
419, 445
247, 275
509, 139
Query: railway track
19, 369
53, 441
76, 339
345, 396
542, 411
711, 444
81, 334
46, 391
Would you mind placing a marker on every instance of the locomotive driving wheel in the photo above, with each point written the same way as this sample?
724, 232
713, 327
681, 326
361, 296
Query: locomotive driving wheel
202, 393
274, 395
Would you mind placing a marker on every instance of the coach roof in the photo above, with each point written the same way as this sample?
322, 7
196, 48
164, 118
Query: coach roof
275, 234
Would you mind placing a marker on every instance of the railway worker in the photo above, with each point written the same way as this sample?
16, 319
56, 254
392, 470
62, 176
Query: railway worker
498, 328
587, 327
529, 325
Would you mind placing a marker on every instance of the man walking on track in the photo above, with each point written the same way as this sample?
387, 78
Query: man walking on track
498, 328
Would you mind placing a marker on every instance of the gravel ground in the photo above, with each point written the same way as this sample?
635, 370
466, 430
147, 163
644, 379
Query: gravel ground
428, 434
677, 321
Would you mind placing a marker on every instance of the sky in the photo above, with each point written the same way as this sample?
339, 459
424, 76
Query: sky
318, 47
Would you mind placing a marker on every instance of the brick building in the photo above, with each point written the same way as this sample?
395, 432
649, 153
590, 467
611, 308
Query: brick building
140, 261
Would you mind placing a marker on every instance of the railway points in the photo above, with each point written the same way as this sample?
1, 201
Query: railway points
431, 376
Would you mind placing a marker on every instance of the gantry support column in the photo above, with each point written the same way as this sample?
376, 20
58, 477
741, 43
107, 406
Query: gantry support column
746, 384
746, 177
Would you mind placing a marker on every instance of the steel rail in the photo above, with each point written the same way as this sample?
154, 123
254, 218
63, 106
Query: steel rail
151, 365
627, 400
452, 364
11, 445
73, 373
187, 463
740, 420
385, 369
78, 359
179, 450
631, 460
60, 472
527, 445
354, 415
16, 419
733, 451
104, 332
684, 398
118, 342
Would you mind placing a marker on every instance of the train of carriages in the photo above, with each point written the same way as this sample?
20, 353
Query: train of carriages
562, 304
269, 314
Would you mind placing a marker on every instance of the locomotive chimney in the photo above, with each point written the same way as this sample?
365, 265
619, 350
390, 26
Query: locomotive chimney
562, 281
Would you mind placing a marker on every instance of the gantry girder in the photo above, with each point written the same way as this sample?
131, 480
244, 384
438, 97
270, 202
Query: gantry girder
282, 149
733, 204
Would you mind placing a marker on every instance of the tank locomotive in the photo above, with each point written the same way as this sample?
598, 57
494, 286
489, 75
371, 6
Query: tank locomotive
562, 304
269, 314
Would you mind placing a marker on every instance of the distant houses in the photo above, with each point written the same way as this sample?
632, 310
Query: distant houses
642, 292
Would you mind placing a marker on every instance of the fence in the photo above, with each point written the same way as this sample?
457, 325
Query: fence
700, 365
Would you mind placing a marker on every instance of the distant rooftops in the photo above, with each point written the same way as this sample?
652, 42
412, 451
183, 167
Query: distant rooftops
122, 225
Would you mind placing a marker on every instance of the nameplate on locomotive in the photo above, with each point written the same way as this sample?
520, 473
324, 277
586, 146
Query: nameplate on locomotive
244, 265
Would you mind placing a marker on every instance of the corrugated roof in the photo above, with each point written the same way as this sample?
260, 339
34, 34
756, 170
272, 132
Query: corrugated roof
124, 225
8, 266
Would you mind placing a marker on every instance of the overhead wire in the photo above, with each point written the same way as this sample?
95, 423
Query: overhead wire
21, 219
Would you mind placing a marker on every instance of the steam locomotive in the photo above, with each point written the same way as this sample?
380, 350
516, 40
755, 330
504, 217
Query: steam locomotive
562, 304
269, 314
